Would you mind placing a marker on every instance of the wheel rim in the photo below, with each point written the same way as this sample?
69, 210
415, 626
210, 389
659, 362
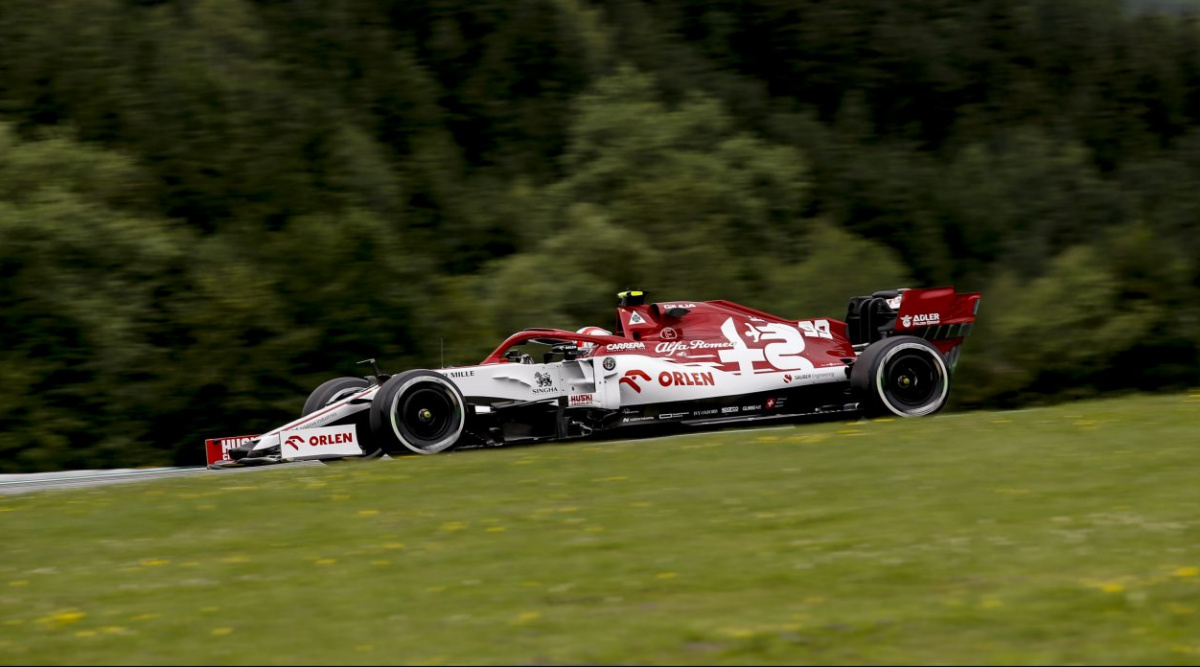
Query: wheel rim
912, 380
428, 413
427, 416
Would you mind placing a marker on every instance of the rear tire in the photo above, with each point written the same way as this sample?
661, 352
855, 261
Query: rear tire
418, 412
335, 390
902, 376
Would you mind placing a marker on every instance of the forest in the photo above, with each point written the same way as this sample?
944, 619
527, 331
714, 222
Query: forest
208, 207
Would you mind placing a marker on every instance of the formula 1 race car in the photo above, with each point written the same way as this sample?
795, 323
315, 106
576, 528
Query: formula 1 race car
680, 363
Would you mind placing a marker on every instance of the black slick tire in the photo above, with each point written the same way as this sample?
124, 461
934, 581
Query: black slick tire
328, 392
335, 390
418, 412
901, 376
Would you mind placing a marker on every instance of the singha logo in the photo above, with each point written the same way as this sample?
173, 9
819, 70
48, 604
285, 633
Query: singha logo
543, 379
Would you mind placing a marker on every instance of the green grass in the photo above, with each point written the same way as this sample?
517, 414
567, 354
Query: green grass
1054, 536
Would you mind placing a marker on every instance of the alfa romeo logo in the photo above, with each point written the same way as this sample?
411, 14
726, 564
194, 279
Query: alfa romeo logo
609, 363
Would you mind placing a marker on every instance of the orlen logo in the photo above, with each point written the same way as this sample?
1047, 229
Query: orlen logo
295, 441
669, 379
685, 379
631, 378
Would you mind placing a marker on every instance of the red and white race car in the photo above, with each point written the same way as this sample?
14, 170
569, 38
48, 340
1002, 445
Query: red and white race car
683, 363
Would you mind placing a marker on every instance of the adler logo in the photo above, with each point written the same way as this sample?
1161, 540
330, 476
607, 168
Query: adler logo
921, 319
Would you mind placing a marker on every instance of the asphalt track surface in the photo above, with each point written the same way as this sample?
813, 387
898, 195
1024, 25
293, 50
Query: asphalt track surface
78, 479
14, 484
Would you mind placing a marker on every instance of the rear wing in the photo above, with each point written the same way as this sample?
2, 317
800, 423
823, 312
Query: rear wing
936, 314
939, 315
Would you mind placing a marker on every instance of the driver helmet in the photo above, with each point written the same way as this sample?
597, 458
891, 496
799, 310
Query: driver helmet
591, 331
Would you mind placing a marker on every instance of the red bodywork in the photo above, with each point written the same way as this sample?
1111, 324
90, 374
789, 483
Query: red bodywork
674, 328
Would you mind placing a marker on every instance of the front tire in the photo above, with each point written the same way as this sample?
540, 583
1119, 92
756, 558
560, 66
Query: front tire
331, 391
418, 412
335, 390
902, 376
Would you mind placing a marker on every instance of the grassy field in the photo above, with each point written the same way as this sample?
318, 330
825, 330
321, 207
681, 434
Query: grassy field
1067, 535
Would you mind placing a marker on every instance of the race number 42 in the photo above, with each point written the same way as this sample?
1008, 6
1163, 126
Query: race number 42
782, 346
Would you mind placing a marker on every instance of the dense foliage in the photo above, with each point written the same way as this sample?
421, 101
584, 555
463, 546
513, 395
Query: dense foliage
207, 207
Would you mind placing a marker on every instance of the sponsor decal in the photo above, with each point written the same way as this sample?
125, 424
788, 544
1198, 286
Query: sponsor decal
672, 415
701, 413
668, 334
217, 449
669, 379
630, 411
894, 302
816, 329
582, 399
773, 403
921, 319
782, 347
230, 443
295, 441
631, 378
729, 410
460, 374
324, 441
751, 408
681, 347
609, 363
787, 378
670, 306
629, 420
545, 383
636, 318
681, 379
620, 347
